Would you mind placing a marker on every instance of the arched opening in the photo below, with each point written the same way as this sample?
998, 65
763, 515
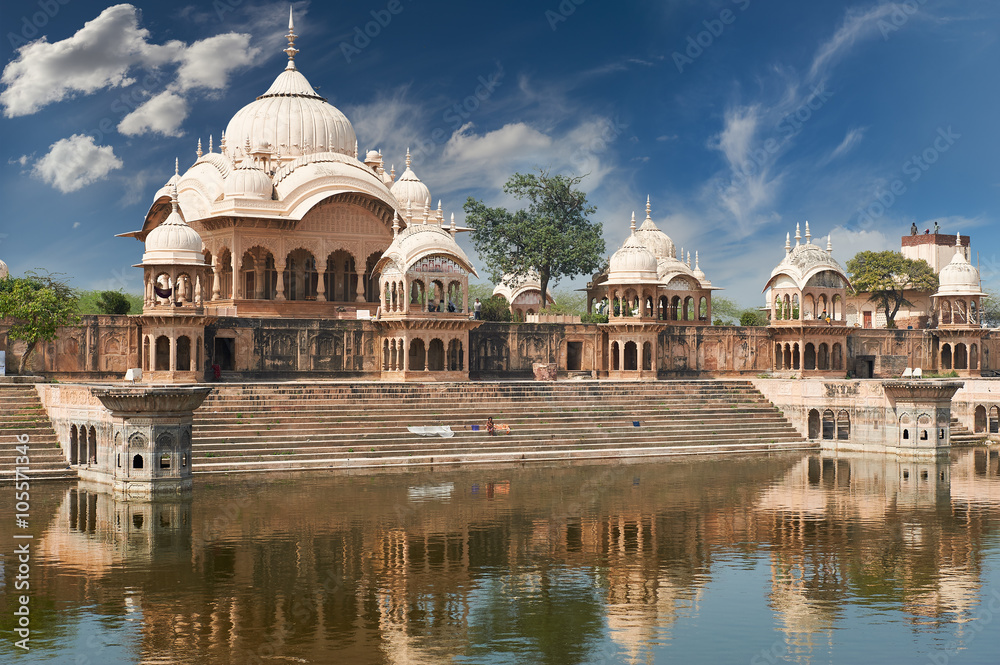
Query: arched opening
814, 424
226, 274
779, 355
615, 349
837, 356
647, 356
162, 353
980, 419
137, 462
809, 362
164, 460
829, 425
260, 277
689, 308
994, 420
340, 279
703, 309
631, 357
455, 359
74, 442
417, 296
435, 356
961, 357
795, 356
788, 356
371, 279
385, 355
843, 425
664, 313
300, 276
837, 308
417, 353
184, 354
796, 310
92, 446
974, 356
945, 356
144, 362
823, 356
986, 357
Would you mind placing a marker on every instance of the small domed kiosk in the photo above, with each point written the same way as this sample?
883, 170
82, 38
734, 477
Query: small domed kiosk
805, 295
173, 322
424, 304
958, 308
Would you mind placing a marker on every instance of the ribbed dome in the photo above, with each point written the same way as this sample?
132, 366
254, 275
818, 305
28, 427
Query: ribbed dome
421, 240
291, 119
248, 182
4, 272
410, 191
173, 242
653, 238
959, 277
632, 263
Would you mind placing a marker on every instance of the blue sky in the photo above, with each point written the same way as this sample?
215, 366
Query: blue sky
739, 118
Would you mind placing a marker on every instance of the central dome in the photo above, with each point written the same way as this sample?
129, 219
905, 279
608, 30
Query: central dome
290, 118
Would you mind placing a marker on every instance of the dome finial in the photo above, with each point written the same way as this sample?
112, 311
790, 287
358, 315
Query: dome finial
958, 240
788, 243
427, 209
395, 223
808, 235
798, 234
696, 260
632, 226
291, 50
210, 143
198, 151
222, 142
689, 260
392, 172
173, 197
649, 208
407, 158
176, 166
829, 243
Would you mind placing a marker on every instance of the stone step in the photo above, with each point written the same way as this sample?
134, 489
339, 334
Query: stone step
22, 413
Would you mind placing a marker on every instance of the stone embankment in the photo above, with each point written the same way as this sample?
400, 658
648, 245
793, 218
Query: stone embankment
294, 426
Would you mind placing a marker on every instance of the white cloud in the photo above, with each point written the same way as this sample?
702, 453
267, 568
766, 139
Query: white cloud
858, 24
98, 56
209, 62
737, 135
111, 51
851, 139
163, 114
75, 162
76, 225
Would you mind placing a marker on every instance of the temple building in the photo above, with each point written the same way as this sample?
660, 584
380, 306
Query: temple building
523, 295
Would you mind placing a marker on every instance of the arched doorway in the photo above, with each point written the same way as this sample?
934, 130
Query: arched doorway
417, 355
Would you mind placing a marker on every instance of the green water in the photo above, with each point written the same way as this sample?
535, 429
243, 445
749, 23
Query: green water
791, 558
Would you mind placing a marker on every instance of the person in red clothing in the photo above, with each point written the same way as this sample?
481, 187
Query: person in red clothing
489, 426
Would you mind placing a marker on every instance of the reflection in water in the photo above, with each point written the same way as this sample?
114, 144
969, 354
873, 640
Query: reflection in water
788, 558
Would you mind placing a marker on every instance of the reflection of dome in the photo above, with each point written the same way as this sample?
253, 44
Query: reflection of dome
959, 277
291, 119
419, 241
249, 182
632, 263
409, 191
173, 241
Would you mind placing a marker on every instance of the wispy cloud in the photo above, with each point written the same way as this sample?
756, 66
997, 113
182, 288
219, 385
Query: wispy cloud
75, 162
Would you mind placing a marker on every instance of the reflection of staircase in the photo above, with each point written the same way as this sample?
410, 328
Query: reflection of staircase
269, 426
963, 436
21, 413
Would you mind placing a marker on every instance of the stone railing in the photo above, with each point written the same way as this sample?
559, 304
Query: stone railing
551, 318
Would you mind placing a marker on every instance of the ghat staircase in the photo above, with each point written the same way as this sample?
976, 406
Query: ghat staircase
21, 413
961, 435
296, 426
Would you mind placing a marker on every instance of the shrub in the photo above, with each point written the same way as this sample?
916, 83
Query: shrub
593, 318
495, 308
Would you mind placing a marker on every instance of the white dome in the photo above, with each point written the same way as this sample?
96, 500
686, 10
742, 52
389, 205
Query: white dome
633, 263
807, 261
248, 182
4, 272
419, 241
173, 242
653, 238
959, 277
410, 191
291, 119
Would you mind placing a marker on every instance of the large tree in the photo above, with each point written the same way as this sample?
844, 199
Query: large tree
36, 306
552, 236
886, 276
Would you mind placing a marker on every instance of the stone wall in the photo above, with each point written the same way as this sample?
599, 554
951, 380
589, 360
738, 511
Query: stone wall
99, 348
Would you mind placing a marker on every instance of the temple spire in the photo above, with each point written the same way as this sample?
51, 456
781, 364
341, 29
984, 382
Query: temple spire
632, 226
198, 151
808, 234
290, 51
176, 166
395, 223
649, 208
829, 243
788, 243
407, 158
798, 234
210, 143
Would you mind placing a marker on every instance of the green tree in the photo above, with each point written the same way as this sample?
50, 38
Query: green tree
552, 236
108, 302
113, 302
886, 276
750, 317
991, 308
36, 306
496, 308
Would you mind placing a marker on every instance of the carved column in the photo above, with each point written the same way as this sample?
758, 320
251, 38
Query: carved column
235, 274
360, 290
173, 354
279, 290
258, 277
216, 279
320, 285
